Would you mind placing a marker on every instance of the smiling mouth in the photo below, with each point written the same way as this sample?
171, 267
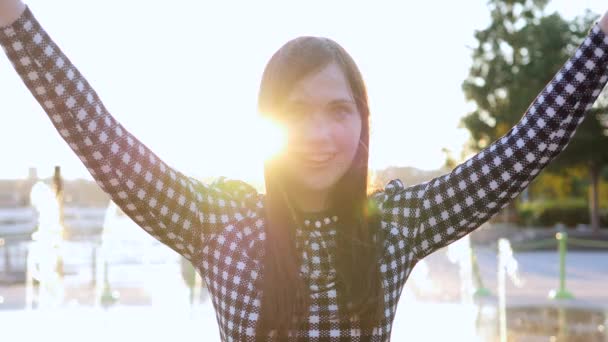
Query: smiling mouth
317, 160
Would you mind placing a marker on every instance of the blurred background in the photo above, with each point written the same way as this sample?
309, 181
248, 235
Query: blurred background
446, 77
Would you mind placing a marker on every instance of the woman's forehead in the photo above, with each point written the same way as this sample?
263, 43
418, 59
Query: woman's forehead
327, 85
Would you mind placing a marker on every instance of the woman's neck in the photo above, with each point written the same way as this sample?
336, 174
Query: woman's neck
308, 201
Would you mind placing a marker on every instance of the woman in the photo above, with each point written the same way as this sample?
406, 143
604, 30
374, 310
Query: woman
314, 257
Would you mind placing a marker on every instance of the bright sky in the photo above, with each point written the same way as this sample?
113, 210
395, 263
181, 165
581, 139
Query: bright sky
184, 78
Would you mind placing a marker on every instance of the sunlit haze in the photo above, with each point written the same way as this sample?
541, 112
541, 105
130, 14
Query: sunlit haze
183, 77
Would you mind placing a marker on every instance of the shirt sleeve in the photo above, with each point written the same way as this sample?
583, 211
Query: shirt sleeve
433, 214
178, 210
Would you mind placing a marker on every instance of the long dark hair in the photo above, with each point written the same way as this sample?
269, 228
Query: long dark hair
285, 297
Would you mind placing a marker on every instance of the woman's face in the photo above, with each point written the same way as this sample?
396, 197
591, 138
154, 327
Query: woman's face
323, 127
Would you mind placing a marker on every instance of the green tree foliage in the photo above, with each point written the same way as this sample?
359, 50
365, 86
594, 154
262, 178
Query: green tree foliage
516, 56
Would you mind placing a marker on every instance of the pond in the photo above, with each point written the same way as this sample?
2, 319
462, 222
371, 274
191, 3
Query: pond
557, 323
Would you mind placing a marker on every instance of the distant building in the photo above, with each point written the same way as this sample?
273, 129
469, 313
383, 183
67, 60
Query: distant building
15, 193
84, 193
408, 175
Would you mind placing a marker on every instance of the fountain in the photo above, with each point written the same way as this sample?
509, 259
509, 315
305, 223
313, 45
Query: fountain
152, 266
507, 266
194, 281
104, 295
472, 291
459, 252
44, 252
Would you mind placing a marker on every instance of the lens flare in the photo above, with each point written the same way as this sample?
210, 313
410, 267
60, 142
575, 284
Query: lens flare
272, 137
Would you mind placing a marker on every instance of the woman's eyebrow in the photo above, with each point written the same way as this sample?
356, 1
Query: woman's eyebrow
341, 101
336, 101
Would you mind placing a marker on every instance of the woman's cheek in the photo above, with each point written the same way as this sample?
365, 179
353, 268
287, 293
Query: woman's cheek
347, 138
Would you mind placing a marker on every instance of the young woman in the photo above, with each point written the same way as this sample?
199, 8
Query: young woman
315, 257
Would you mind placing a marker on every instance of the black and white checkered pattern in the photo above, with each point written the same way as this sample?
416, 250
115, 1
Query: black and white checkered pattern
220, 226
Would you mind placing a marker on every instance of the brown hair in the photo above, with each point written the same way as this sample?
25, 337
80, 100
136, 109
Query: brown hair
285, 297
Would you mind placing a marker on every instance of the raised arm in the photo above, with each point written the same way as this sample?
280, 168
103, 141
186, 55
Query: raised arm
434, 214
179, 211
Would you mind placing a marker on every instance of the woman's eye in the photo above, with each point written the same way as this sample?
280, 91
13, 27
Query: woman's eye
340, 111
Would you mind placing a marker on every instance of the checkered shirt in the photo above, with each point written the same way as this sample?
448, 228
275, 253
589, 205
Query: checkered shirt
220, 226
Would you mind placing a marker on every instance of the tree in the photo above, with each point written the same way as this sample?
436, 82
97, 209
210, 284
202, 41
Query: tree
516, 56
588, 147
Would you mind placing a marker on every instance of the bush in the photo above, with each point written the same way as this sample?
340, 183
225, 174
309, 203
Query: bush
570, 212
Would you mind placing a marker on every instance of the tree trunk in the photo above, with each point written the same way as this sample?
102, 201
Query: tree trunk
594, 173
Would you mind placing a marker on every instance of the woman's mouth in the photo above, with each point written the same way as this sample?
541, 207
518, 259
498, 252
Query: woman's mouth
316, 160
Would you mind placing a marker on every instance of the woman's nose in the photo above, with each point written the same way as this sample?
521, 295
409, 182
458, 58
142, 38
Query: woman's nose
316, 128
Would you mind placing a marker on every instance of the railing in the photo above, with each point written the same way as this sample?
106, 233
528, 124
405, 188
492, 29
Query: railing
561, 241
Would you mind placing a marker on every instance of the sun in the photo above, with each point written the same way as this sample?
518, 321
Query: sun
258, 139
272, 138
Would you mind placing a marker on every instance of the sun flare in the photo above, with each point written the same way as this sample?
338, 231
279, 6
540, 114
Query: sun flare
273, 138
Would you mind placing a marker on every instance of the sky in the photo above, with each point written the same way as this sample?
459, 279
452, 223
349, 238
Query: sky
183, 76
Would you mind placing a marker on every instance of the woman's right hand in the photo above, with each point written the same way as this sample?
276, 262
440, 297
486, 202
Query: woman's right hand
10, 10
604, 23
